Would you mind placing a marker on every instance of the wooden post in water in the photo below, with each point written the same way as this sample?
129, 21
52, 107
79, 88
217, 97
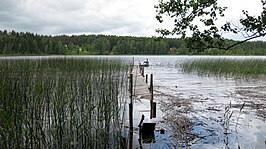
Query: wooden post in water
140, 131
151, 101
154, 110
131, 103
146, 78
130, 143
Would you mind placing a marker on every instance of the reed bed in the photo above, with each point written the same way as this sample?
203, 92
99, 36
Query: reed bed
62, 103
226, 67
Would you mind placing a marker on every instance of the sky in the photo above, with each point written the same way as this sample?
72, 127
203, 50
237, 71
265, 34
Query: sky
111, 17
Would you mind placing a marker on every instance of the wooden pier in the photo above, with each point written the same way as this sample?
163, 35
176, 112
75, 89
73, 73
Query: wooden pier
142, 110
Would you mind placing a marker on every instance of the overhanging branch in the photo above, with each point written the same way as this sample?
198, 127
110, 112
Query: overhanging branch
243, 41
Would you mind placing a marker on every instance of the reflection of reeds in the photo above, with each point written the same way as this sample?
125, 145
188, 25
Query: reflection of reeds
61, 103
231, 67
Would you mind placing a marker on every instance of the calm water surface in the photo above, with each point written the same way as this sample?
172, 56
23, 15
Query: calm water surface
242, 125
224, 112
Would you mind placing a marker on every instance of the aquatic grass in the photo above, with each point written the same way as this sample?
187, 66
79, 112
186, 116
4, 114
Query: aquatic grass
226, 67
61, 103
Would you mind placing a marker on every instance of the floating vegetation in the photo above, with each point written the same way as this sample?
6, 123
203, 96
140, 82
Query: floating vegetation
226, 67
175, 115
61, 103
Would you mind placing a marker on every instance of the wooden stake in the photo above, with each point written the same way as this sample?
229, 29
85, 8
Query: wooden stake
130, 117
146, 78
154, 110
131, 103
142, 68
151, 90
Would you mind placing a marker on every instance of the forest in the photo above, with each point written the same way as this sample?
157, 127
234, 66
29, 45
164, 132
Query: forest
26, 43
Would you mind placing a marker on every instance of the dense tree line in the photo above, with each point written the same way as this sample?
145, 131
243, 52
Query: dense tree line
28, 43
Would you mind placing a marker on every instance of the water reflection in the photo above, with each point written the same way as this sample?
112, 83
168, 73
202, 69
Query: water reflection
209, 112
199, 111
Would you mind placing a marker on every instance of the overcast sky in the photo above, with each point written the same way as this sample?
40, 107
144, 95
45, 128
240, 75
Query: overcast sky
116, 17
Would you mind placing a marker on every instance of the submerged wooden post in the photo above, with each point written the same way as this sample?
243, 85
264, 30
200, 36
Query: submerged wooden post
151, 101
131, 103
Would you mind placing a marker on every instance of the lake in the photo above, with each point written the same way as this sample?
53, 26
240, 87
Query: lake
202, 111
218, 112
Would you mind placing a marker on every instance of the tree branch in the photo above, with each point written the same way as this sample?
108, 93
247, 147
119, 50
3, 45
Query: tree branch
243, 41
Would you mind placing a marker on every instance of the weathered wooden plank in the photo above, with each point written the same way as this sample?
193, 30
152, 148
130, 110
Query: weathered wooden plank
141, 107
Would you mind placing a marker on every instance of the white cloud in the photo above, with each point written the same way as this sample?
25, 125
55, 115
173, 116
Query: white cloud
120, 17
234, 13
126, 17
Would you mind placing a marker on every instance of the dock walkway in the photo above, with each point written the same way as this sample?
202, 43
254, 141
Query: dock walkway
140, 87
141, 106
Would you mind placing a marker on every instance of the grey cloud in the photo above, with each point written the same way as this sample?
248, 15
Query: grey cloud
72, 16
126, 17
9, 5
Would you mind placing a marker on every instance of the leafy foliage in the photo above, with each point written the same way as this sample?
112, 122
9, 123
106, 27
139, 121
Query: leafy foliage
189, 14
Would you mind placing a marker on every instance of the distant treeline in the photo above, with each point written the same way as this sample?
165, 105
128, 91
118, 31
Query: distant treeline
22, 43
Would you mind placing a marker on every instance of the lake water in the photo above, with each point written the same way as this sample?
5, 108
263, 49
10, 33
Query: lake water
217, 112
203, 111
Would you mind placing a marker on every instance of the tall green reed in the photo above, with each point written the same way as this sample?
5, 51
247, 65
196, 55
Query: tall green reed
61, 103
226, 67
